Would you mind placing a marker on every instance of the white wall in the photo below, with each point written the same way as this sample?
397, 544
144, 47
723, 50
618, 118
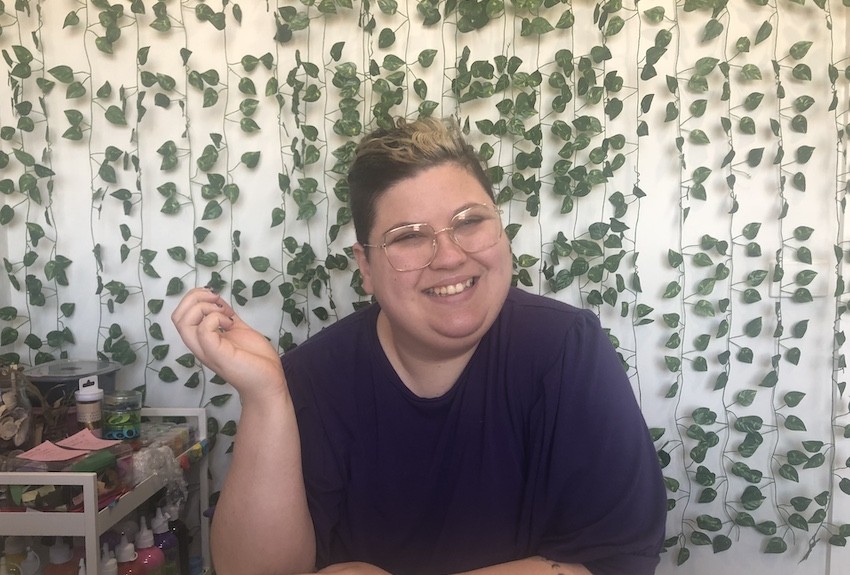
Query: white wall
76, 219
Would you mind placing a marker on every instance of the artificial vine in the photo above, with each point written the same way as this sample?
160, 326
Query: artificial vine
663, 164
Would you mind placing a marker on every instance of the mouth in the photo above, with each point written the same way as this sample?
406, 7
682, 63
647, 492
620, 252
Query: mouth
452, 289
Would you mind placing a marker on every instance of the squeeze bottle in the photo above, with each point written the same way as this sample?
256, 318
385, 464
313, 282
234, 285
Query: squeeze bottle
5, 569
60, 560
128, 559
108, 563
150, 555
166, 541
82, 569
181, 532
32, 564
14, 550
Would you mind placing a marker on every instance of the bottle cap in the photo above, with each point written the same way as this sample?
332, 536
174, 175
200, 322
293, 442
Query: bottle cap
159, 523
88, 390
171, 511
60, 552
144, 538
14, 545
129, 528
30, 565
88, 395
125, 552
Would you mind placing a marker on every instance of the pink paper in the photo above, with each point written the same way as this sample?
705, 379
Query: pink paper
86, 440
49, 451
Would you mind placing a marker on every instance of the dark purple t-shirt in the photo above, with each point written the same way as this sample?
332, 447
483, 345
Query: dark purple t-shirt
538, 449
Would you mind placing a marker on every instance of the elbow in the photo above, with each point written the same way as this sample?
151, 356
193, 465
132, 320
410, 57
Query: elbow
232, 556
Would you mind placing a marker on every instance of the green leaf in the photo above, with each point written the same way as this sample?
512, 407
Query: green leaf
764, 32
754, 157
62, 73
803, 233
386, 38
212, 210
800, 49
751, 72
753, 327
698, 137
802, 72
753, 100
794, 423
115, 115
654, 15
566, 20
805, 277
426, 57
712, 30
799, 329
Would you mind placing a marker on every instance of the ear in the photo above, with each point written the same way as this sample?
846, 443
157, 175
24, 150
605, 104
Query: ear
365, 267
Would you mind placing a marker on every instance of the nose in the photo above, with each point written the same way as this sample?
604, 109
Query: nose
447, 253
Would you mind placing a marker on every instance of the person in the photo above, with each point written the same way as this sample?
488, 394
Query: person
457, 424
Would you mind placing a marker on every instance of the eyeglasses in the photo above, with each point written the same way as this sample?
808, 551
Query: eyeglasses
413, 246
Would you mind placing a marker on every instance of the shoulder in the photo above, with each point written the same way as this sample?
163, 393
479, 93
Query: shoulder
545, 315
332, 344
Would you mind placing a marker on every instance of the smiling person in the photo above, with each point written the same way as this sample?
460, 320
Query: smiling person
455, 425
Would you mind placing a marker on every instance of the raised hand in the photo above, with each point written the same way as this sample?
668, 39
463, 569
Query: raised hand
223, 342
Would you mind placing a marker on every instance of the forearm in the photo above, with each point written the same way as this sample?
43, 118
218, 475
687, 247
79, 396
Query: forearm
262, 524
531, 566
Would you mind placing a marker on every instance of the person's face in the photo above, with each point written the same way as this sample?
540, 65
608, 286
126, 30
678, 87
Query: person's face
451, 303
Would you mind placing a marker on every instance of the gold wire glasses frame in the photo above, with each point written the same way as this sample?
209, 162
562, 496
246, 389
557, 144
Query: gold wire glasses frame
413, 247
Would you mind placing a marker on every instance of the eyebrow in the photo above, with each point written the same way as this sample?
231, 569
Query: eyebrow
459, 210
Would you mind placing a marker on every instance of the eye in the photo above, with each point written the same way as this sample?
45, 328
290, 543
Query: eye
409, 235
470, 222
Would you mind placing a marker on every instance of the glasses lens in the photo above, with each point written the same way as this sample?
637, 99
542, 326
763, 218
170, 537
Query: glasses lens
412, 247
409, 247
477, 228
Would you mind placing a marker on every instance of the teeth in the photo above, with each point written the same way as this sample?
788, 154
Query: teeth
451, 289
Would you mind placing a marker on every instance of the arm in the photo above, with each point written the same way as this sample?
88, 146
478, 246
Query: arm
530, 566
606, 496
261, 518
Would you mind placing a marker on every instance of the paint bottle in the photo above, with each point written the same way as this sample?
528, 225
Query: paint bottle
60, 559
150, 555
6, 569
108, 563
128, 559
181, 533
32, 564
14, 550
166, 541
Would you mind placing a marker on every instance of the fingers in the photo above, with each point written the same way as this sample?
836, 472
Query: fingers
183, 313
201, 312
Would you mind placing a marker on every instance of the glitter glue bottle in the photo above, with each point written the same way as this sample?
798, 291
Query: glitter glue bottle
128, 559
150, 555
108, 563
60, 559
166, 541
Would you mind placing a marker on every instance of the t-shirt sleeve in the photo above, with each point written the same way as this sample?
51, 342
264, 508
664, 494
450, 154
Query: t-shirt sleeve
605, 501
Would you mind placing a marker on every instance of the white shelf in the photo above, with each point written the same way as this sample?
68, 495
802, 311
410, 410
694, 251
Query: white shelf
92, 525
